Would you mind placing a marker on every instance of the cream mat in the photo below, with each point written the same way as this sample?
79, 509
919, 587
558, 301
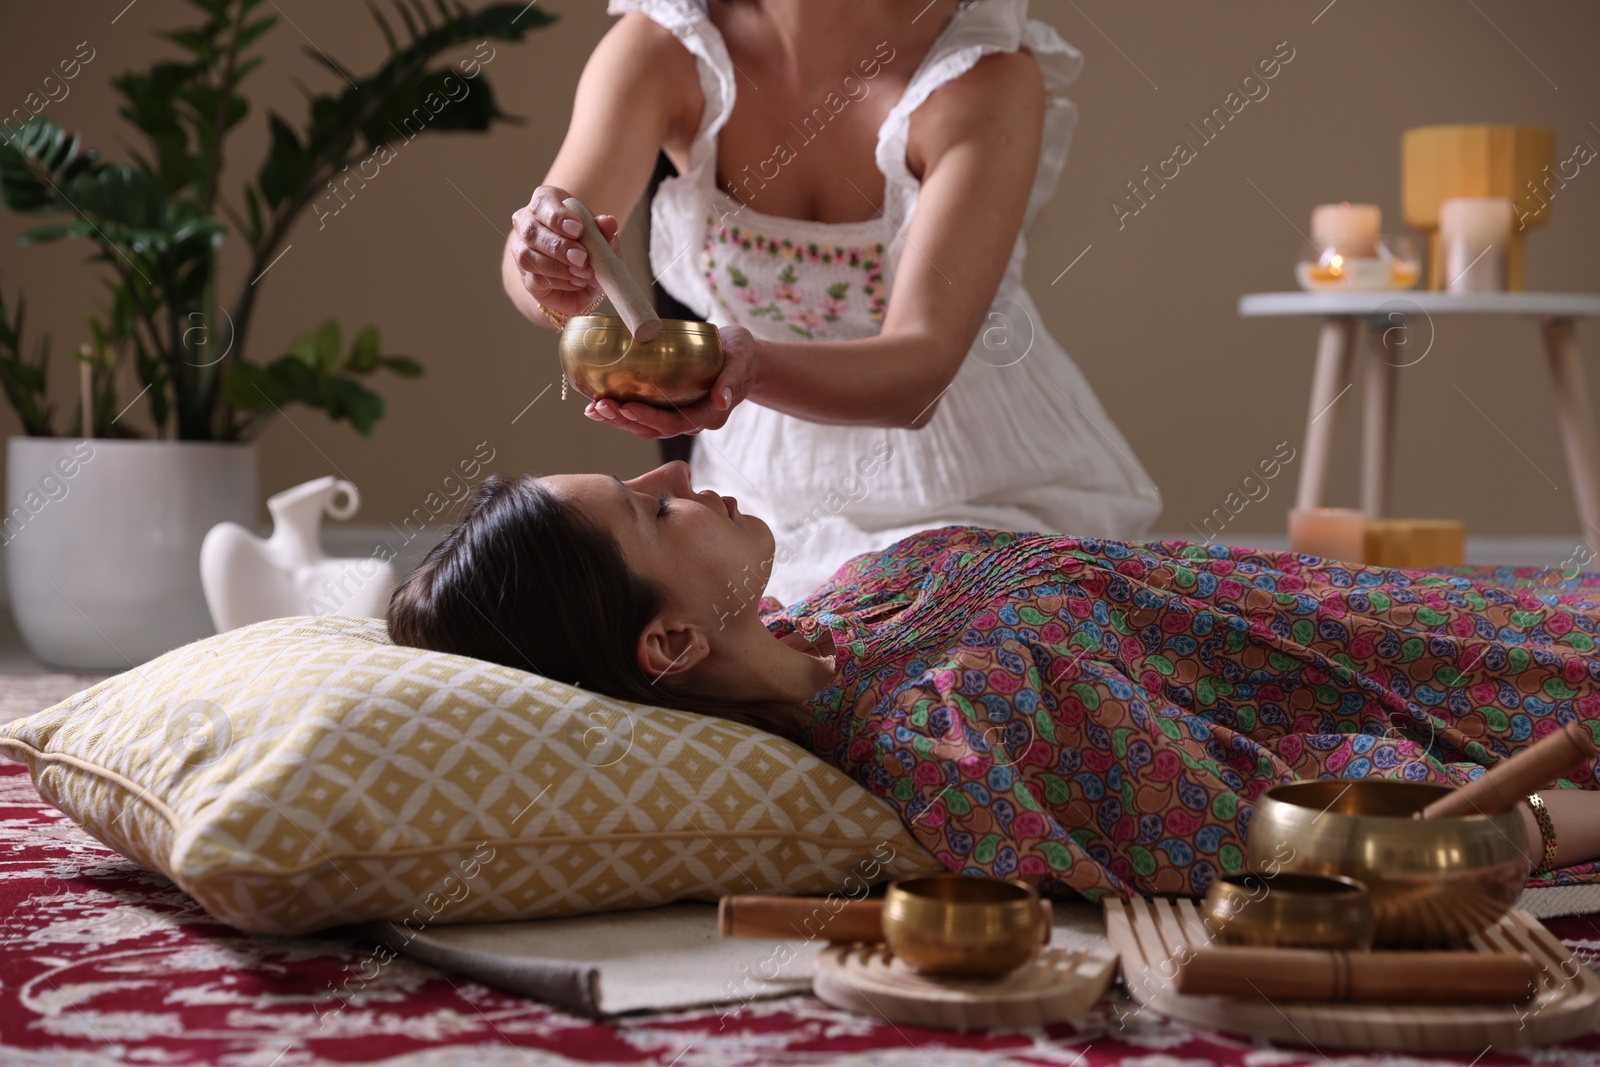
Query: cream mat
655, 959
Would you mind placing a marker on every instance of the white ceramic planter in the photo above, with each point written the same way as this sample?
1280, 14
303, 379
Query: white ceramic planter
102, 542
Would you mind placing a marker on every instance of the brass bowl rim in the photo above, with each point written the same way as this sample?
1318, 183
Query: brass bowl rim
1349, 889
913, 891
1439, 789
614, 322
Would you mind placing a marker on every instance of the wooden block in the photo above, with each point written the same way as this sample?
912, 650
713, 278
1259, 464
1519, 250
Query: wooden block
1441, 544
1439, 163
1422, 544
1384, 543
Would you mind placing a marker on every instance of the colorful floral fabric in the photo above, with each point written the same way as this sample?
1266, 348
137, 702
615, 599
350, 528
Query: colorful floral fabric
810, 286
1101, 715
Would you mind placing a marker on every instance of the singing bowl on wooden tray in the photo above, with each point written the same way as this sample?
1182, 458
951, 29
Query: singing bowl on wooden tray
1290, 910
602, 360
1432, 882
962, 925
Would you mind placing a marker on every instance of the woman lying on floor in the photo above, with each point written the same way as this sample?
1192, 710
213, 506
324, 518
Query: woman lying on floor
1087, 714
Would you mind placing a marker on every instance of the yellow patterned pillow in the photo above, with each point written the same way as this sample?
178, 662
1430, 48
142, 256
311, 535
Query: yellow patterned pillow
305, 772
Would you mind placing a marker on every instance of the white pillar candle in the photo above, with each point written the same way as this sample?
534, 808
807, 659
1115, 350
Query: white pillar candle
1332, 533
1350, 229
1474, 236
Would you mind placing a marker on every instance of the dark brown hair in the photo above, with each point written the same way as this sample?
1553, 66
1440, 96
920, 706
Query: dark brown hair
528, 582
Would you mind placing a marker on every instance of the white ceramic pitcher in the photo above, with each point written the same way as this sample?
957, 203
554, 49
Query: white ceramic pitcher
248, 579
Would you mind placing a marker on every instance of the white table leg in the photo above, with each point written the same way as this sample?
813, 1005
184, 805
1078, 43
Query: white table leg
1576, 415
1377, 446
1328, 383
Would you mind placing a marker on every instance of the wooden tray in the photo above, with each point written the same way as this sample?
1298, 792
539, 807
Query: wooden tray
1059, 985
1150, 934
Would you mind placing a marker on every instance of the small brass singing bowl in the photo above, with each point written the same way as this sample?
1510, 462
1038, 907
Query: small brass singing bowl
1433, 882
962, 926
1283, 909
602, 360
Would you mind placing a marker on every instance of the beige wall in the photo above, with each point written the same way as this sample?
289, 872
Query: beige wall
1148, 312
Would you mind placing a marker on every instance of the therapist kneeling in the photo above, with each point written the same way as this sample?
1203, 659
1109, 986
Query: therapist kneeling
886, 372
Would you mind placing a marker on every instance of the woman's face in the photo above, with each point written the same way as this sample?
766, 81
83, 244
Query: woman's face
703, 554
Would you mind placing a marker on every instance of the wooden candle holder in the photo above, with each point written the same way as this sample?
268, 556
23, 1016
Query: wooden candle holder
1439, 163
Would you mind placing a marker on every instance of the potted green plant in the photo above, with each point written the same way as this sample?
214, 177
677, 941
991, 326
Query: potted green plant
103, 525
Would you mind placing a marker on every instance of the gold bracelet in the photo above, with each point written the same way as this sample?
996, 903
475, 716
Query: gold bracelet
558, 320
1547, 829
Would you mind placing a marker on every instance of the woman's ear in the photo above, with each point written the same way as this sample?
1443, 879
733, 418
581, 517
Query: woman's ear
671, 651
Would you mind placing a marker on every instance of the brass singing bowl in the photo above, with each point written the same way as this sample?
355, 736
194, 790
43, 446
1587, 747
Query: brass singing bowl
1285, 909
1433, 882
963, 926
602, 360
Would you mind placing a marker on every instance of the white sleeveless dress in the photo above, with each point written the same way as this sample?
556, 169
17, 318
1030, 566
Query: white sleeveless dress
1019, 440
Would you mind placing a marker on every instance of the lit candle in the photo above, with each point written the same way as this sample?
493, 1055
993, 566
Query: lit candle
1332, 533
1475, 234
1350, 229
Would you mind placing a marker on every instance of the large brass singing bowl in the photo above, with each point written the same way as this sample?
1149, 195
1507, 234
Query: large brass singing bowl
1432, 882
602, 360
962, 926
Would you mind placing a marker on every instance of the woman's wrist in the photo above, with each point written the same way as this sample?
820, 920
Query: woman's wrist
559, 319
760, 354
1575, 817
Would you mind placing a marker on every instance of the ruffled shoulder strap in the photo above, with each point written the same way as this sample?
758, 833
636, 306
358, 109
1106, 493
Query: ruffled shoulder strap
979, 28
690, 24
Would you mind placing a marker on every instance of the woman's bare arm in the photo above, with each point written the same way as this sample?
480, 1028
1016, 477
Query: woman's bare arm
639, 93
975, 143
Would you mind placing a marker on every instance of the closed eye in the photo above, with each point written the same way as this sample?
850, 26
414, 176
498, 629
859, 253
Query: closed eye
661, 505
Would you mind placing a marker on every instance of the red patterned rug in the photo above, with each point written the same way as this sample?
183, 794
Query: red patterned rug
104, 963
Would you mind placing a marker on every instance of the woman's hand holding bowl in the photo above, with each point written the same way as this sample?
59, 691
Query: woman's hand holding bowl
546, 246
741, 357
